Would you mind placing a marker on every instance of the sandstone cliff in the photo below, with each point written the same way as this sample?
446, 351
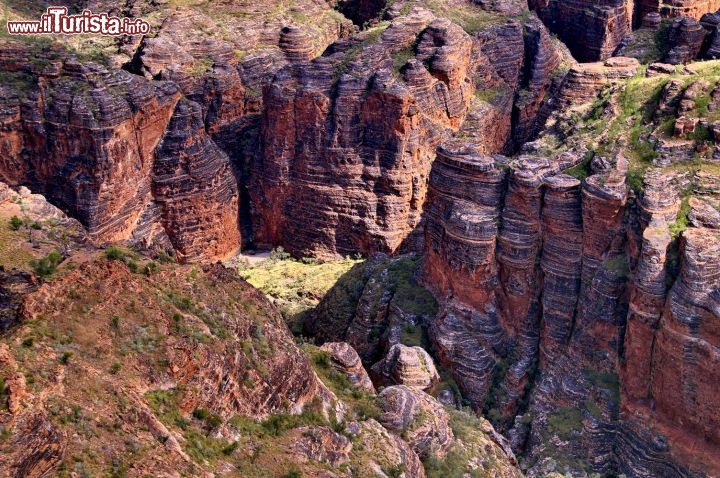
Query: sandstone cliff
349, 137
187, 370
574, 278
555, 309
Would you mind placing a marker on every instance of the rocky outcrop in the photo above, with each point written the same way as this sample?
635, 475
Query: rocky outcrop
35, 449
375, 306
345, 360
409, 366
585, 81
106, 147
187, 351
685, 355
543, 60
384, 448
13, 286
194, 188
118, 119
88, 138
373, 203
540, 264
380, 104
686, 37
676, 8
667, 352
419, 417
592, 30
323, 445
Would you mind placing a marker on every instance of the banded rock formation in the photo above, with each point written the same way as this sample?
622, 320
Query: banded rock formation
348, 139
419, 417
592, 30
676, 8
346, 361
553, 298
101, 145
409, 366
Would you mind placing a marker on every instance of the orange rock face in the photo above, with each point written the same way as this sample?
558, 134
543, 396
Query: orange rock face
676, 8
124, 157
535, 269
348, 138
591, 29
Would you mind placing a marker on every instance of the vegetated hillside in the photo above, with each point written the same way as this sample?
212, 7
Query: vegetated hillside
117, 364
573, 280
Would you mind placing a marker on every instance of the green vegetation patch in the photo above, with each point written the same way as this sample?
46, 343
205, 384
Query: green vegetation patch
47, 265
361, 404
471, 17
608, 381
472, 443
566, 422
296, 286
682, 221
618, 265
582, 170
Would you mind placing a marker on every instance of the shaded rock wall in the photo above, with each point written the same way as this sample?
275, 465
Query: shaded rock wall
123, 156
592, 30
676, 8
554, 315
349, 137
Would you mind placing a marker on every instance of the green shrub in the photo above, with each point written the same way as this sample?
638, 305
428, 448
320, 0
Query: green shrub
293, 473
322, 359
682, 221
593, 408
635, 180
47, 265
230, 449
258, 331
28, 342
164, 258
65, 358
565, 422
3, 394
279, 254
211, 419
606, 381
276, 425
150, 268
580, 171
15, 223
395, 471
114, 253
454, 465
182, 302
400, 58
118, 469
618, 265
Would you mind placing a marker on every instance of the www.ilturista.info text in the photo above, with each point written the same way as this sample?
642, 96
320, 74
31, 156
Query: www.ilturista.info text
57, 21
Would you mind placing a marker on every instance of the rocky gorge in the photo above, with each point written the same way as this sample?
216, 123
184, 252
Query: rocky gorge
534, 188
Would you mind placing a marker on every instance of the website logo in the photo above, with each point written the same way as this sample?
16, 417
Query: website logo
57, 21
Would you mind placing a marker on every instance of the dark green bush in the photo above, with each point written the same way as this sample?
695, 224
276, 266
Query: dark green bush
15, 223
114, 253
46, 266
211, 419
65, 358
293, 473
